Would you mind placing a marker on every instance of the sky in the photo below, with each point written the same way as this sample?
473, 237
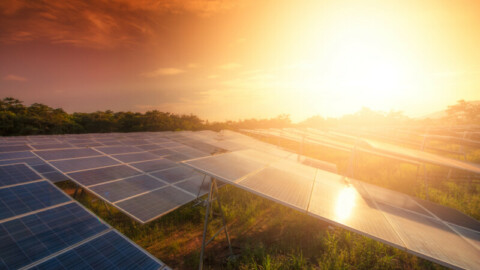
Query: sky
238, 59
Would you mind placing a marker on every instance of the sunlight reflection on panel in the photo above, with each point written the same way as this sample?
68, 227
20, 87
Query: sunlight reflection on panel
345, 203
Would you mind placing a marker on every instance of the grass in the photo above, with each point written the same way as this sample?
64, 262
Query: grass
266, 235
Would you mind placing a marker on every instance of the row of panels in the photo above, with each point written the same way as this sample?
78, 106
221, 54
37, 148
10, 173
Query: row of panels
138, 173
42, 228
423, 228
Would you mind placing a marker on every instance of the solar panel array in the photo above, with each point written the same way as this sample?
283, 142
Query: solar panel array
42, 228
346, 142
423, 228
128, 170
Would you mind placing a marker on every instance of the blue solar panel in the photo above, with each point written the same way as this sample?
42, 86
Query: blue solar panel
154, 165
14, 155
14, 148
101, 175
67, 153
109, 251
55, 176
22, 199
15, 174
119, 149
43, 168
135, 157
52, 146
30, 238
87, 163
126, 188
30, 161
175, 174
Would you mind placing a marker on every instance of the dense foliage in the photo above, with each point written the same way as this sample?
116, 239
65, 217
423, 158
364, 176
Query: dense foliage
18, 119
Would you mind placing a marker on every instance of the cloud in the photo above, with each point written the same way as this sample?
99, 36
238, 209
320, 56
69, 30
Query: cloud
163, 72
12, 77
98, 24
213, 76
230, 66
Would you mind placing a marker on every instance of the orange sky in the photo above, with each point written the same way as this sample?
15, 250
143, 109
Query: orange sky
241, 59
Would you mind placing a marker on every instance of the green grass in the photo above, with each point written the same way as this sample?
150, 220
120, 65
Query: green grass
266, 235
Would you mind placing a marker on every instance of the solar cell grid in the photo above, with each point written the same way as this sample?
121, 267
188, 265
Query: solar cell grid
163, 151
170, 144
26, 198
32, 237
177, 157
15, 155
30, 161
198, 185
175, 174
119, 149
136, 157
67, 153
51, 146
55, 176
108, 251
154, 165
86, 163
122, 189
15, 148
14, 174
155, 203
96, 176
150, 147
43, 168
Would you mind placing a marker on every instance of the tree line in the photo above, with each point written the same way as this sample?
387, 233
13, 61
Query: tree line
19, 119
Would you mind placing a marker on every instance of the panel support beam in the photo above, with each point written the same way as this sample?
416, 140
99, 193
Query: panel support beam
213, 196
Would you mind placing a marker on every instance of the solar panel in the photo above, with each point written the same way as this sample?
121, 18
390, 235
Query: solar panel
198, 184
153, 204
125, 188
154, 165
41, 227
119, 149
67, 153
97, 176
30, 161
424, 229
79, 164
43, 168
175, 174
423, 156
127, 158
163, 152
55, 176
108, 251
231, 166
150, 167
14, 148
15, 155
26, 198
51, 146
15, 174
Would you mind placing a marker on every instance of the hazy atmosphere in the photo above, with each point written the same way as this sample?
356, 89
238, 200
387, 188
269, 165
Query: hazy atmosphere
241, 59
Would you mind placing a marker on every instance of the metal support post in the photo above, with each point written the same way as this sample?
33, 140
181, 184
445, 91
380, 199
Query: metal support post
208, 211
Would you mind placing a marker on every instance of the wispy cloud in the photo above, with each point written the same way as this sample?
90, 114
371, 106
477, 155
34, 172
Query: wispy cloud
230, 66
96, 24
163, 72
12, 77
